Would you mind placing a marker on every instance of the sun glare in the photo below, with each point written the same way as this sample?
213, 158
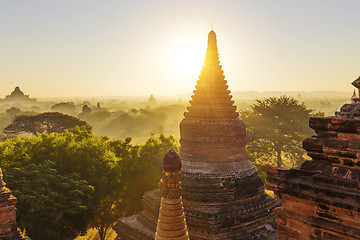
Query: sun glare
188, 60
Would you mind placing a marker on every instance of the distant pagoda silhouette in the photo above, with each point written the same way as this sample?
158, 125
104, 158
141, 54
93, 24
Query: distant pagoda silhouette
353, 97
18, 96
222, 193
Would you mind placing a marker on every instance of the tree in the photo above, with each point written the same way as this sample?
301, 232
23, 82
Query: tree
143, 172
45, 122
13, 111
79, 156
50, 205
75, 179
140, 172
276, 127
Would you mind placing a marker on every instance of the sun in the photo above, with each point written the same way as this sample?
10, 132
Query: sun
188, 59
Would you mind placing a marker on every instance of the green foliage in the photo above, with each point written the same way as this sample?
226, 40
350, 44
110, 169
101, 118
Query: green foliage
143, 172
50, 205
79, 152
66, 182
276, 128
140, 172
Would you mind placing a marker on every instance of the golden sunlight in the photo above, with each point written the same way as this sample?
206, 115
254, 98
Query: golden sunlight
188, 59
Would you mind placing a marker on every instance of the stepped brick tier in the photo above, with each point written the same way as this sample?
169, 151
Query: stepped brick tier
171, 223
321, 199
8, 225
222, 193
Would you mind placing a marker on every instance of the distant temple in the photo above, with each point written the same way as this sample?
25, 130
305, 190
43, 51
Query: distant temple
356, 84
222, 193
353, 97
18, 96
321, 199
86, 109
151, 99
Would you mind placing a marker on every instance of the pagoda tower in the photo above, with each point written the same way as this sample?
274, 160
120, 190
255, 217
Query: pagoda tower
171, 223
223, 195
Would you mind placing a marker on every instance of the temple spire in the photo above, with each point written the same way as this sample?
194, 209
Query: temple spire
211, 94
353, 97
212, 55
171, 223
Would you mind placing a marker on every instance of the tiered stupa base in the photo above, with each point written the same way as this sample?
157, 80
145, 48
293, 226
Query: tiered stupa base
224, 204
221, 206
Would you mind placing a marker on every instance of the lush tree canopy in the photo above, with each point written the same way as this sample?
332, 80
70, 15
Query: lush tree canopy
66, 182
276, 127
50, 205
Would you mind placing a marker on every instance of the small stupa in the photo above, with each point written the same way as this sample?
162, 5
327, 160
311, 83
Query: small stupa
353, 97
171, 223
151, 100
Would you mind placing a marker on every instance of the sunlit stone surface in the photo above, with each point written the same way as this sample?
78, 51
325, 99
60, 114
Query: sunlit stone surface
321, 199
223, 195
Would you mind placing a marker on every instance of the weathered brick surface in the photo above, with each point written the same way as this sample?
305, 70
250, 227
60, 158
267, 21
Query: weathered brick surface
171, 223
321, 199
8, 225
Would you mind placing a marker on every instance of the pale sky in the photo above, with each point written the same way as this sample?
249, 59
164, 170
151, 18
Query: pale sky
142, 47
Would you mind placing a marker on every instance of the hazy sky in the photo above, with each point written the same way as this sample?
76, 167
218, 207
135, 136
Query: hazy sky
117, 48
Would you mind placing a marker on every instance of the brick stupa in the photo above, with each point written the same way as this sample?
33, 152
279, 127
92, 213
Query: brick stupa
171, 224
321, 199
223, 195
8, 225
